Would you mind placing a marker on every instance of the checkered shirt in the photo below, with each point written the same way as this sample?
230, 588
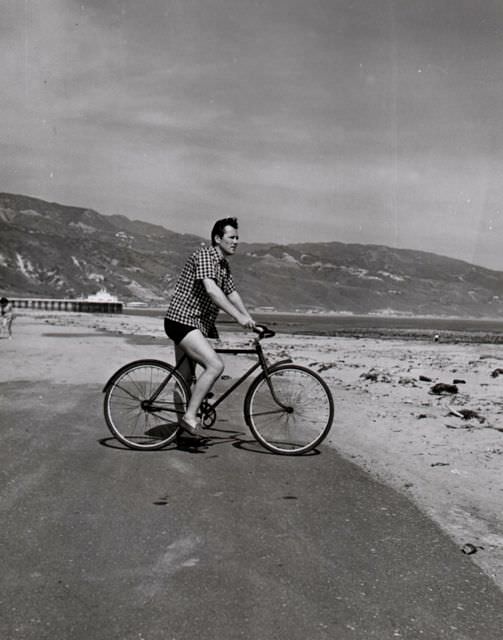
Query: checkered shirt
190, 304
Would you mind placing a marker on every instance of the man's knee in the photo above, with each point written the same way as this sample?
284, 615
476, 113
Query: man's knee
216, 366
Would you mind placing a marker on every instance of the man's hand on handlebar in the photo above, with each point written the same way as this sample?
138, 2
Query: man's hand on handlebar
247, 322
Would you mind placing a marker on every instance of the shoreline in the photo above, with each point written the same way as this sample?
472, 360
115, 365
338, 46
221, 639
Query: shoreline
387, 419
337, 314
442, 329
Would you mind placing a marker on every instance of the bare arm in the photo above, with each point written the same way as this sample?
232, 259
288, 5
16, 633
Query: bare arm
236, 300
229, 304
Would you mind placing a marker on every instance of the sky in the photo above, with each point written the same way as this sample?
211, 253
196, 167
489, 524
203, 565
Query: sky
361, 121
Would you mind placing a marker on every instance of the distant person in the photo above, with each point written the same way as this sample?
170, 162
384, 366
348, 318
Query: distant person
7, 315
204, 287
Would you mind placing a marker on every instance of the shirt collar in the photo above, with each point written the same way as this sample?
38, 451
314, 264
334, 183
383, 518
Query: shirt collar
216, 256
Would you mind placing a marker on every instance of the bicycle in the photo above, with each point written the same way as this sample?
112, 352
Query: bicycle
288, 408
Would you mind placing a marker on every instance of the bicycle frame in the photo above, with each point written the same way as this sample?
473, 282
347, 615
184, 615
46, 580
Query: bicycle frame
260, 364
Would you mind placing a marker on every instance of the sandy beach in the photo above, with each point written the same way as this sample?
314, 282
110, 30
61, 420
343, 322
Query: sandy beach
443, 450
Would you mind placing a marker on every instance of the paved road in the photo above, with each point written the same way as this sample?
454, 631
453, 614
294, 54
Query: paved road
101, 543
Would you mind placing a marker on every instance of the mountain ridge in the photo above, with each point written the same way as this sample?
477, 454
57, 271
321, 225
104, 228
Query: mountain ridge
53, 250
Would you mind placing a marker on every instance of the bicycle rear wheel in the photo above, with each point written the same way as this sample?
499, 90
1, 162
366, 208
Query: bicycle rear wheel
296, 416
143, 402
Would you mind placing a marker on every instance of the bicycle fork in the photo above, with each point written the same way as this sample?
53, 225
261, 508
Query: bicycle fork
266, 369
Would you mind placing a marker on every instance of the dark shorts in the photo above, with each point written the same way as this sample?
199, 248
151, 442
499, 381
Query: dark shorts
176, 330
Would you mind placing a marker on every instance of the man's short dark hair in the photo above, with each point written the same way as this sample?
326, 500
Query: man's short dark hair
219, 228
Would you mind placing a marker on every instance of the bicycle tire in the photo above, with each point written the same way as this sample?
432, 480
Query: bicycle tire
306, 417
128, 416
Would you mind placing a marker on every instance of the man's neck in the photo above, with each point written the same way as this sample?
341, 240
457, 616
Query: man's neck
219, 251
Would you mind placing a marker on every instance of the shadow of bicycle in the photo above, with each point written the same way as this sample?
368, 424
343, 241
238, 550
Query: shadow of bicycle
206, 443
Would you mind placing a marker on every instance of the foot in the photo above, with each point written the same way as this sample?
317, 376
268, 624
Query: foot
194, 428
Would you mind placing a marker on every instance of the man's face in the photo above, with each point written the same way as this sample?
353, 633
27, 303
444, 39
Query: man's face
229, 241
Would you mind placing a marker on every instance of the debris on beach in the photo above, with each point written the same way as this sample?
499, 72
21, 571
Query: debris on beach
442, 388
495, 451
466, 414
425, 379
468, 549
320, 367
468, 427
497, 372
376, 375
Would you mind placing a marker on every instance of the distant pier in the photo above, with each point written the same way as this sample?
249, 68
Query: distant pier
78, 306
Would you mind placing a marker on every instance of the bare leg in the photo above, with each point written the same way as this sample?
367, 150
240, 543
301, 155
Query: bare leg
185, 365
186, 368
197, 347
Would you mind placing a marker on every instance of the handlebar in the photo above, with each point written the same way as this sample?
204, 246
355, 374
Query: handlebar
263, 332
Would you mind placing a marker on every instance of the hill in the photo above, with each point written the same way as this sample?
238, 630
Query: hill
52, 250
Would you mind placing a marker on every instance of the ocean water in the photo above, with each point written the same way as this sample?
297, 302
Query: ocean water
417, 328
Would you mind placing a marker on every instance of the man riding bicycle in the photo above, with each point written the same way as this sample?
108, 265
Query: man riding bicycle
204, 287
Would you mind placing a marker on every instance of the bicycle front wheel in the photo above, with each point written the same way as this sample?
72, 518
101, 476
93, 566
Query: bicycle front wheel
289, 411
143, 402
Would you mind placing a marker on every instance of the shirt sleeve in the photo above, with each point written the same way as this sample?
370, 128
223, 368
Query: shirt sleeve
205, 267
228, 284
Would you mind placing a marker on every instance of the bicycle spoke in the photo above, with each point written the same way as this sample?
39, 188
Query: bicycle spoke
128, 393
267, 413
